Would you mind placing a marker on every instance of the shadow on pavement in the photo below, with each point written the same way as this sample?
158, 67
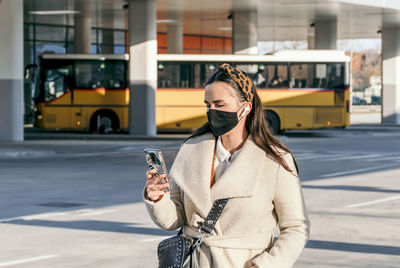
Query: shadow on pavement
353, 247
352, 188
95, 225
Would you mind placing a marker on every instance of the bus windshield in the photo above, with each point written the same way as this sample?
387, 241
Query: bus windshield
56, 80
59, 77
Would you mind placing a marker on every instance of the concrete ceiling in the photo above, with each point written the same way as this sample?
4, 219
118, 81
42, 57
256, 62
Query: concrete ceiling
278, 20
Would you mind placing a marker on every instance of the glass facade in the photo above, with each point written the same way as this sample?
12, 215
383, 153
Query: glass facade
39, 38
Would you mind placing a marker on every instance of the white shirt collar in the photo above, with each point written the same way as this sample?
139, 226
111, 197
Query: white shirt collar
223, 154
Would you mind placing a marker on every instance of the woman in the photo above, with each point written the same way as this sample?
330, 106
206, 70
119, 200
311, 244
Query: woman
252, 168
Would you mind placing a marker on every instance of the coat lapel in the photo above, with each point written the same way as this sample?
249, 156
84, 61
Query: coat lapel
241, 177
192, 171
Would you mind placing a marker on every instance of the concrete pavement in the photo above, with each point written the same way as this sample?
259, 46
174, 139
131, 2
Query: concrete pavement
77, 203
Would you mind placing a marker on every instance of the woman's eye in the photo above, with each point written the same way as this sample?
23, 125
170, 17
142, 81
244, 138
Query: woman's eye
219, 105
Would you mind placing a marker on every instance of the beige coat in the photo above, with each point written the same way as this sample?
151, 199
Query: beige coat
261, 194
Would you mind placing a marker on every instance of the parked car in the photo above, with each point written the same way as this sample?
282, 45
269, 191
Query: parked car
376, 100
358, 101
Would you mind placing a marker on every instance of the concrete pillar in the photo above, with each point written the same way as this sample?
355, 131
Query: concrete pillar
28, 105
311, 41
244, 32
11, 70
175, 32
325, 34
311, 36
142, 67
390, 78
83, 25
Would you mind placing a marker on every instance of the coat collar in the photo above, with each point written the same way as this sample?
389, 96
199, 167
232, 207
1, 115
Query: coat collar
192, 172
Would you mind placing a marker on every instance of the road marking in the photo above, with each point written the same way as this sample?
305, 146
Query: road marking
82, 212
374, 201
389, 158
303, 154
98, 212
44, 257
319, 156
354, 157
151, 239
357, 170
31, 217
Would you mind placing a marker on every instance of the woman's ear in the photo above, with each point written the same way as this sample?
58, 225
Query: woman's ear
249, 106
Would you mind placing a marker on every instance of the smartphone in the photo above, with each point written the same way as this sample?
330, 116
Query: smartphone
155, 160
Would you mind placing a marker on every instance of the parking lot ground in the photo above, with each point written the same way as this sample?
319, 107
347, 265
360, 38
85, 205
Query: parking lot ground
77, 203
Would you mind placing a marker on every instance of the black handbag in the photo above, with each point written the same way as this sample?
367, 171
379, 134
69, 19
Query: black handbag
174, 251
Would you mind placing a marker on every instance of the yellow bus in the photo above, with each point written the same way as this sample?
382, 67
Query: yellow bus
299, 90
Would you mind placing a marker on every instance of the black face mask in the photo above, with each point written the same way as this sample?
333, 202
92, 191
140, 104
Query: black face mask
222, 122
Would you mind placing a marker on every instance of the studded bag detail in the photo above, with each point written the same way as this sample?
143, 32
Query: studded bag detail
173, 252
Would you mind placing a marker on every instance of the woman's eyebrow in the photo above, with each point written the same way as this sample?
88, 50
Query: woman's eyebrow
216, 101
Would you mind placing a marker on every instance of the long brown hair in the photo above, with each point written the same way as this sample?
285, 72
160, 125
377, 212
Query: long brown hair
256, 123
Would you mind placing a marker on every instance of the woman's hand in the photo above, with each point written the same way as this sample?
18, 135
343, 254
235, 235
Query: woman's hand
153, 187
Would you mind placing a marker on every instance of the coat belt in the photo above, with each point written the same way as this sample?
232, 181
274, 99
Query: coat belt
251, 241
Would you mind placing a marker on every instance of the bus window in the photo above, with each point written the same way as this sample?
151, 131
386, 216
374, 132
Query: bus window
260, 79
87, 74
114, 75
320, 75
174, 75
335, 75
100, 74
267, 75
302, 75
202, 72
277, 75
56, 82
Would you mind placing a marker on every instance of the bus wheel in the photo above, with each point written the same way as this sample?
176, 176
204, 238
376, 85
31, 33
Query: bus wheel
106, 122
273, 122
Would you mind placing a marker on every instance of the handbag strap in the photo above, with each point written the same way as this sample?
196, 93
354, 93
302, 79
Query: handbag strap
210, 221
218, 205
213, 215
